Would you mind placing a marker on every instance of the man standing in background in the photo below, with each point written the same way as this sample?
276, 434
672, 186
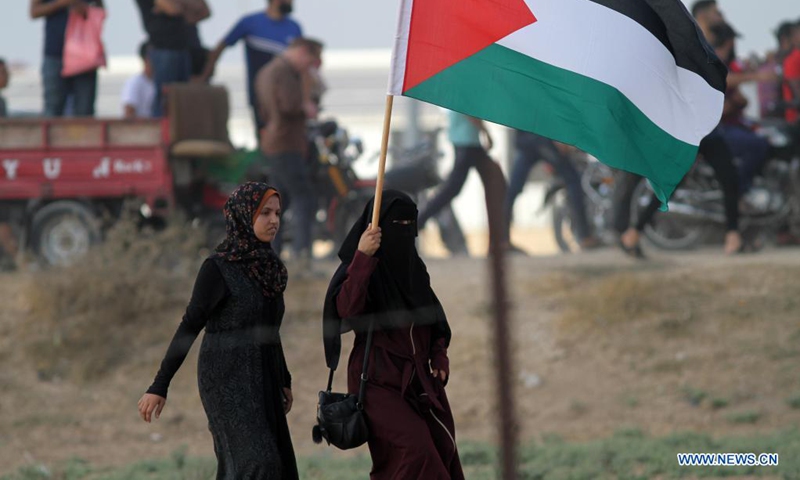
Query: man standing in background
266, 35
167, 23
81, 88
285, 107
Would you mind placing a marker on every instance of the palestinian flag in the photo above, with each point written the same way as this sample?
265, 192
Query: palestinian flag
633, 82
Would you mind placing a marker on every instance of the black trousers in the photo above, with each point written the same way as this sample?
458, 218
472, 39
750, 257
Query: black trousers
717, 154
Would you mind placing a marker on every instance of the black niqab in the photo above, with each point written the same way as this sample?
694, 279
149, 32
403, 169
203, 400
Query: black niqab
399, 291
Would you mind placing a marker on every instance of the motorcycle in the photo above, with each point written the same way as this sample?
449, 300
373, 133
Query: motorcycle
696, 211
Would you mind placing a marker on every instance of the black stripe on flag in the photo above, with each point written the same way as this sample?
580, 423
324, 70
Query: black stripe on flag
671, 23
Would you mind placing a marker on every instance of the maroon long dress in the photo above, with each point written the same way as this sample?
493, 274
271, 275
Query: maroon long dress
412, 433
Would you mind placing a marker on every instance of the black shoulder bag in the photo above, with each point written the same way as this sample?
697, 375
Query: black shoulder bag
340, 416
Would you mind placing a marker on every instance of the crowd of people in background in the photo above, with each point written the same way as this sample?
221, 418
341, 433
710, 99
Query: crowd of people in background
281, 95
173, 53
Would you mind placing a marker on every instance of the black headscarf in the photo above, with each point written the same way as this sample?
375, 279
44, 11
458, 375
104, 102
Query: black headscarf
399, 291
241, 245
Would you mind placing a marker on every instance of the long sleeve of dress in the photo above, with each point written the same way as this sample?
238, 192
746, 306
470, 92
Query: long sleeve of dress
352, 297
439, 359
209, 291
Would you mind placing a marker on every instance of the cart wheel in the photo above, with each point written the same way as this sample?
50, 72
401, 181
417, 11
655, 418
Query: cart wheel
63, 231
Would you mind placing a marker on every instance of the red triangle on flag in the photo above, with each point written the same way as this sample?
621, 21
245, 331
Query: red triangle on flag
444, 32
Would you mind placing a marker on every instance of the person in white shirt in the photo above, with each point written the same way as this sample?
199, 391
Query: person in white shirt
139, 92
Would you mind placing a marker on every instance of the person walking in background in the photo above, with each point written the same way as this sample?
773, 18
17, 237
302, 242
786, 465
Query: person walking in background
79, 90
139, 92
284, 107
266, 35
465, 133
383, 283
244, 383
530, 148
168, 24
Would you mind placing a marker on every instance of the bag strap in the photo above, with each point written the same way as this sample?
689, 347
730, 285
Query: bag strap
363, 384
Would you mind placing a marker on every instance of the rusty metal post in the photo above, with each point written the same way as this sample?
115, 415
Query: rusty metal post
495, 187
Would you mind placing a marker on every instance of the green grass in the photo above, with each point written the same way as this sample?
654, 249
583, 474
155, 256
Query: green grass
794, 401
627, 455
718, 403
694, 396
747, 416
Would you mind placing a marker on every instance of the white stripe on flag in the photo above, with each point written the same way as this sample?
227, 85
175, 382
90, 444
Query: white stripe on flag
400, 50
594, 41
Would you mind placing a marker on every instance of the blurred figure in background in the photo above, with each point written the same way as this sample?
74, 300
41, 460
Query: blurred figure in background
791, 75
8, 242
284, 107
199, 55
751, 149
266, 35
769, 92
168, 25
530, 148
471, 151
707, 14
4, 77
79, 90
139, 91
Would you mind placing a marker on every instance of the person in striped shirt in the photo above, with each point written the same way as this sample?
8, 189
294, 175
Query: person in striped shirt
266, 34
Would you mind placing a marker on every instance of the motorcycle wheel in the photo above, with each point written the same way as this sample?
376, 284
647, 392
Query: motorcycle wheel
563, 232
666, 231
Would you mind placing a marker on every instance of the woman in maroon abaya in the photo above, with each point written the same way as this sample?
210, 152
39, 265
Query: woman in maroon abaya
382, 279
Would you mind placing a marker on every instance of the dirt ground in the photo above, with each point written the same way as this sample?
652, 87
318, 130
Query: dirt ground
692, 341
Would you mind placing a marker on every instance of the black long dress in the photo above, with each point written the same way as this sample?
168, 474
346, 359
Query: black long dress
241, 372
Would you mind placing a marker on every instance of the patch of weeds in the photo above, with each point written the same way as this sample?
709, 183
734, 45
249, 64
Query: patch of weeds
578, 407
794, 401
718, 403
631, 401
745, 417
694, 396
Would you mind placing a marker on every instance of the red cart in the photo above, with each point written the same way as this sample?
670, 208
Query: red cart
63, 181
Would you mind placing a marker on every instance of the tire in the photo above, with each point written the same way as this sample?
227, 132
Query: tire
666, 231
62, 232
562, 229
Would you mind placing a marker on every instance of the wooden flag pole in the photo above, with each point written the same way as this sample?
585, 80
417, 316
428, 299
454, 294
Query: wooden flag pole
387, 122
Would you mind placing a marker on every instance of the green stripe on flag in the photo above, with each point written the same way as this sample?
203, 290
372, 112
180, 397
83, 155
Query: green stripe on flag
509, 88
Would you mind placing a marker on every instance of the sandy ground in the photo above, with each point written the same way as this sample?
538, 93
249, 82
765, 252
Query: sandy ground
691, 341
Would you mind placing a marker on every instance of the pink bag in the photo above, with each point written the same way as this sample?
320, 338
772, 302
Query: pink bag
83, 42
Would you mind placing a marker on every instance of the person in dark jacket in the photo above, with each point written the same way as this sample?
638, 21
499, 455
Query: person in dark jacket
244, 383
382, 281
